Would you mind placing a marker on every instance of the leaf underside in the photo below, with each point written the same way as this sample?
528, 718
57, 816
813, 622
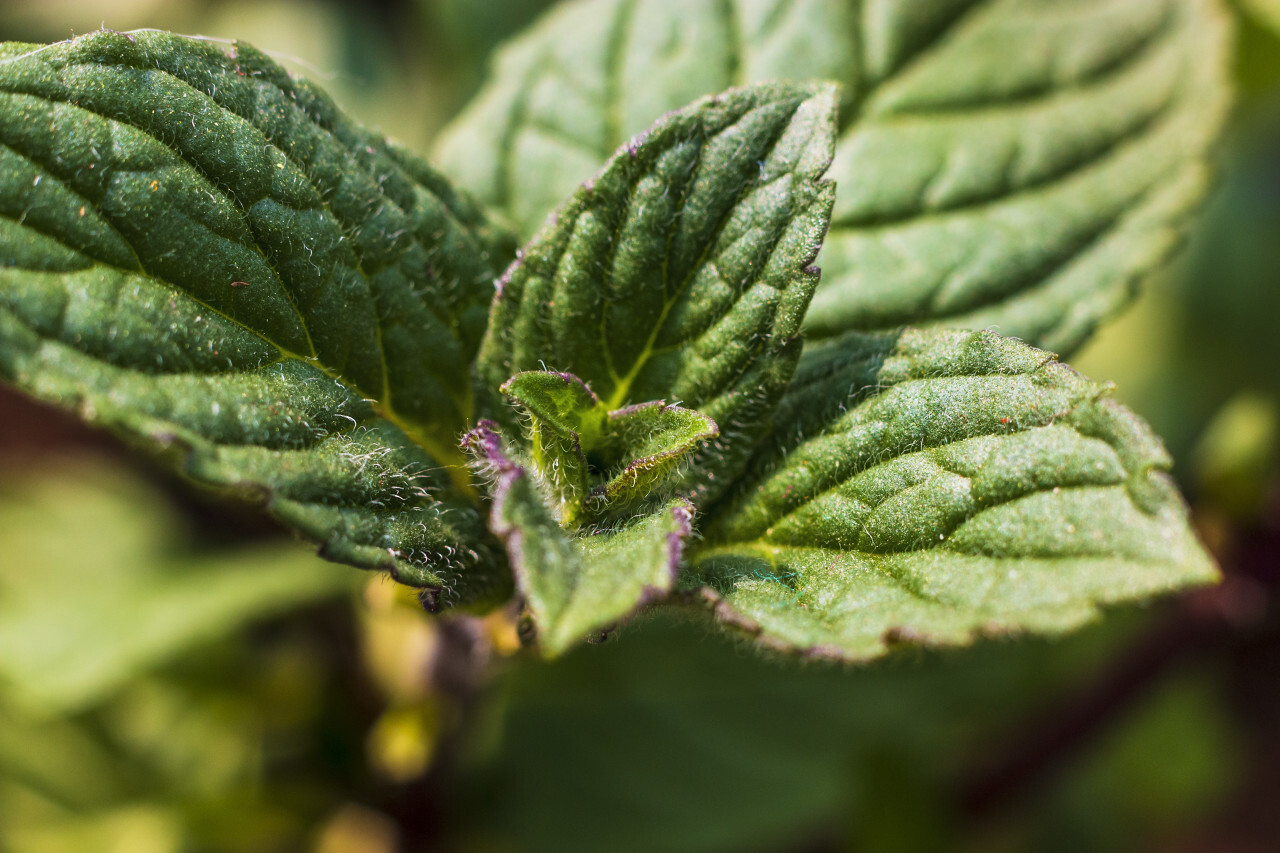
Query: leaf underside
202, 253
928, 487
682, 271
1020, 167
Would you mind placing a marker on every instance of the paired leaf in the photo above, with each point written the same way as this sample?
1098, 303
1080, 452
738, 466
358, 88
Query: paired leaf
683, 270
1013, 166
930, 486
200, 252
599, 463
574, 586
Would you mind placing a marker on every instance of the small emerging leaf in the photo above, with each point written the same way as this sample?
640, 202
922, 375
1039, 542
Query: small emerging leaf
655, 438
566, 420
1013, 165
683, 270
930, 486
562, 401
576, 586
596, 463
204, 254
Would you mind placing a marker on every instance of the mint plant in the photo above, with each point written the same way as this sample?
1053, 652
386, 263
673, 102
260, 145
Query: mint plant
206, 256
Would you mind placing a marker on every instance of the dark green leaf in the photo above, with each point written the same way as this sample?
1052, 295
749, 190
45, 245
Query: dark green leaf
683, 270
201, 252
776, 752
1020, 166
927, 487
574, 586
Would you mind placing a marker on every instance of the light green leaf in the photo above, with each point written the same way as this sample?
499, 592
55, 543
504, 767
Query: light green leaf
653, 439
576, 586
565, 421
97, 585
561, 401
931, 486
1014, 165
596, 463
204, 254
682, 271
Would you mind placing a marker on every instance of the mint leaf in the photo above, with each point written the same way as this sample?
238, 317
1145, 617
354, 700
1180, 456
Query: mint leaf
930, 486
565, 421
683, 270
574, 586
596, 463
653, 439
560, 402
203, 253
1016, 168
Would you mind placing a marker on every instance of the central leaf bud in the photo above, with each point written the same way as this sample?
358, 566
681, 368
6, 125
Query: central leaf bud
597, 462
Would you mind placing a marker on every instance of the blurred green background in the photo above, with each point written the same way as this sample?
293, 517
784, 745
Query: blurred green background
176, 674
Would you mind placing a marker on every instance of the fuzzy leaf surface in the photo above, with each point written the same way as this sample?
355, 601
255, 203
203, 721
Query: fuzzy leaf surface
560, 401
1019, 165
204, 254
682, 271
652, 439
577, 585
928, 487
598, 463
565, 418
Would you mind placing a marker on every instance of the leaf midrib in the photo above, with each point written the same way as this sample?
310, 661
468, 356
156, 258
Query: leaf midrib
622, 385
1089, 398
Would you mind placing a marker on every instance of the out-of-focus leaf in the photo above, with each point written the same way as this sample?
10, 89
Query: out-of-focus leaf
203, 253
1265, 12
779, 754
96, 587
1170, 763
141, 828
1021, 166
928, 487
1236, 459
